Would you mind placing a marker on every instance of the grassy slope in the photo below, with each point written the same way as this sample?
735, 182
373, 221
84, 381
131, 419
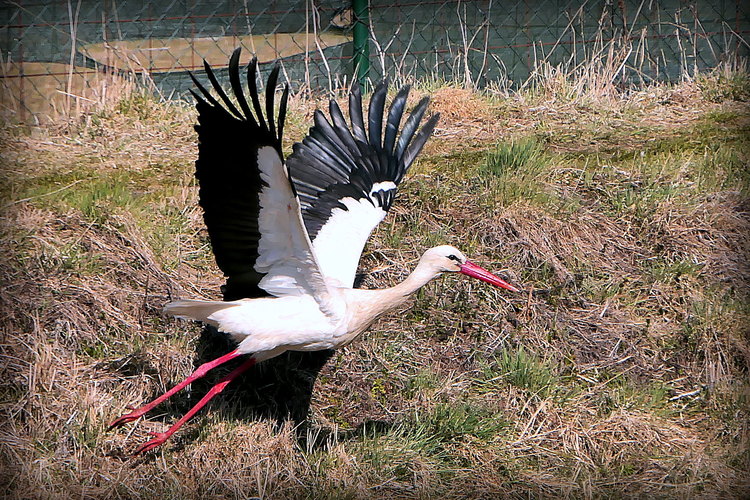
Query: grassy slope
622, 371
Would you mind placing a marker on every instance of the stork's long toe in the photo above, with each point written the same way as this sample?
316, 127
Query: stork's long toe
159, 440
129, 417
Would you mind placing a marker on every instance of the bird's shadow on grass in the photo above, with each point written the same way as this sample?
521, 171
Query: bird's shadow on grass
278, 389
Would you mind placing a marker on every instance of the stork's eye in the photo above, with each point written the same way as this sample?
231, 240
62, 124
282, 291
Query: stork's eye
453, 257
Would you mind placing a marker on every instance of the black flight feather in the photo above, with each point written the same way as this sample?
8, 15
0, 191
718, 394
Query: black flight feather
270, 92
355, 114
394, 118
205, 92
342, 131
415, 147
282, 113
411, 126
234, 79
252, 85
219, 90
375, 115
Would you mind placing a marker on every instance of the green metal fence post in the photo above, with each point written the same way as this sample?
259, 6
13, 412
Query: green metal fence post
361, 41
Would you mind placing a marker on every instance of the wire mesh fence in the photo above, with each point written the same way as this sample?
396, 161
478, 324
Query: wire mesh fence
482, 42
67, 56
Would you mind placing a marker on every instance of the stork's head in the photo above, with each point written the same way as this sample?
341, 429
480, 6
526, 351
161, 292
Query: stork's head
446, 258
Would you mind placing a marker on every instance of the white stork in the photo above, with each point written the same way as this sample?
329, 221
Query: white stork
291, 235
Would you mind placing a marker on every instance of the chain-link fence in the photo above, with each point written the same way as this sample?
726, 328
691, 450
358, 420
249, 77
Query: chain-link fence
484, 41
64, 56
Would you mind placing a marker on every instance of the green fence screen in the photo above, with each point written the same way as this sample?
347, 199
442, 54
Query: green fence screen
62, 54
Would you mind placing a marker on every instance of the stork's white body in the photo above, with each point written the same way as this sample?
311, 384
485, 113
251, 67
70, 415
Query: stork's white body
266, 327
255, 323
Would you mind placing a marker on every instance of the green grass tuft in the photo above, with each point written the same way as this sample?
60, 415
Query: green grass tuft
512, 171
457, 422
519, 368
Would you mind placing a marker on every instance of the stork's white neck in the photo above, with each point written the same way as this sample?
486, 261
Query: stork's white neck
422, 274
368, 305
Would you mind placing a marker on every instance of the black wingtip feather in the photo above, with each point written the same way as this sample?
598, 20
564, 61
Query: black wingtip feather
355, 114
252, 85
375, 115
419, 141
411, 126
270, 94
394, 118
282, 113
342, 131
234, 79
219, 90
204, 91
197, 97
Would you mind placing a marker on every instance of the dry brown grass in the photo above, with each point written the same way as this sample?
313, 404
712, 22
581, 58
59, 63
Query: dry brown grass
634, 322
34, 92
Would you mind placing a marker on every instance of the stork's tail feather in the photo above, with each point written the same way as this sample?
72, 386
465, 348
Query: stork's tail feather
199, 310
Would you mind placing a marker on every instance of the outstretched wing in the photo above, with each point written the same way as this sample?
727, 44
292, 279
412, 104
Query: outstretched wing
250, 209
346, 178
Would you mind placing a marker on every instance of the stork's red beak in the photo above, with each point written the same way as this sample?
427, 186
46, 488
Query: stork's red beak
471, 269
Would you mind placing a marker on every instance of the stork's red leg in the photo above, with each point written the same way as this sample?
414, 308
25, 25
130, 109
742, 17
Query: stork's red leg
200, 372
163, 436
